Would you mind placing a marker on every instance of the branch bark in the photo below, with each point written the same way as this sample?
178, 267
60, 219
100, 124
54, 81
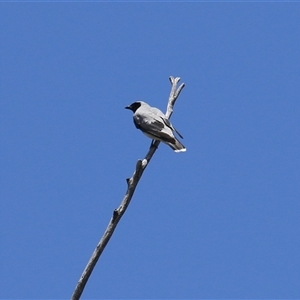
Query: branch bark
131, 186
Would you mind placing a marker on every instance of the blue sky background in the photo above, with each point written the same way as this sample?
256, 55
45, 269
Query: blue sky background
219, 221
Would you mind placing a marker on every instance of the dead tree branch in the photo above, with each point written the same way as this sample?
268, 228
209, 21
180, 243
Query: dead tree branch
131, 186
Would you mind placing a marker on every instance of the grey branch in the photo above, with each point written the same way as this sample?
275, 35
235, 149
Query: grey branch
131, 186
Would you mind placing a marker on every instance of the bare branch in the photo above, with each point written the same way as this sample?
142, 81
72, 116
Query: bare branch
173, 95
131, 186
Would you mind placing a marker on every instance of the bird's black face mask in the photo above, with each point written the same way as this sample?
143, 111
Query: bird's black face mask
134, 106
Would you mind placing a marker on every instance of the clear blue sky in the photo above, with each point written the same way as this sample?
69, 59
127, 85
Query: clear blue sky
219, 221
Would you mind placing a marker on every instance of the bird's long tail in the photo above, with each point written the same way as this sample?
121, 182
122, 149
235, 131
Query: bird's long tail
177, 146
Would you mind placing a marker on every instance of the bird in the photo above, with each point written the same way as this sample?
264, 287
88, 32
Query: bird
154, 124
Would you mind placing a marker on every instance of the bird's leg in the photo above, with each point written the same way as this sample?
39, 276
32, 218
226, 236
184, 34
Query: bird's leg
152, 143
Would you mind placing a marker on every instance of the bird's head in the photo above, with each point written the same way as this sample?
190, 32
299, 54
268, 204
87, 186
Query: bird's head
134, 106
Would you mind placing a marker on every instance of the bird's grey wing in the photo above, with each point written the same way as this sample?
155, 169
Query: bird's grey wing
148, 121
153, 125
168, 123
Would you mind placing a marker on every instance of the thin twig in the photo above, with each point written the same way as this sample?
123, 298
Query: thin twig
132, 184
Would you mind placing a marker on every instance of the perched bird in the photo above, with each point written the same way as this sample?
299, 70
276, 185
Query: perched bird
154, 124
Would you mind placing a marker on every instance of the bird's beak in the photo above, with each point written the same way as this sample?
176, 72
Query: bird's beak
127, 107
